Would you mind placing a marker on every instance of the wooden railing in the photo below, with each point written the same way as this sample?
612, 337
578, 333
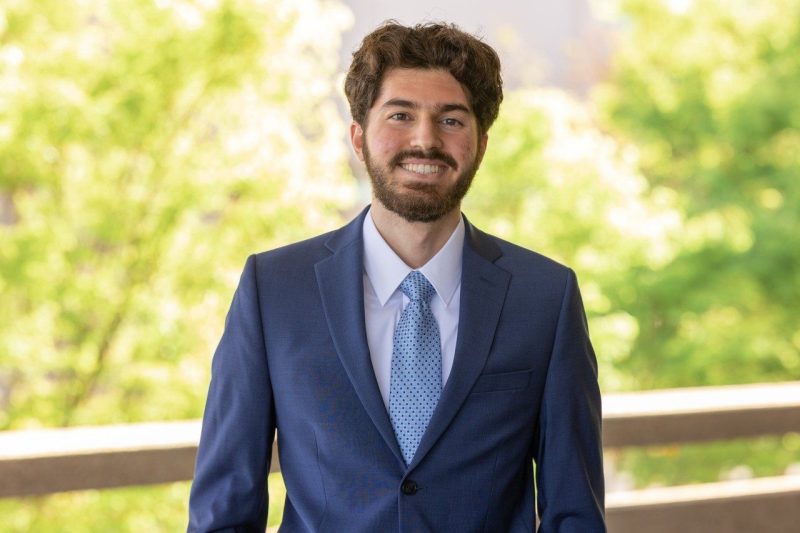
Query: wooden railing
37, 462
700, 415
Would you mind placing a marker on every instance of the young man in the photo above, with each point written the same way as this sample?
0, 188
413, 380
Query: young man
413, 366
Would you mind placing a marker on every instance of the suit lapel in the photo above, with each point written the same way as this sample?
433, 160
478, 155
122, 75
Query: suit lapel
340, 279
483, 291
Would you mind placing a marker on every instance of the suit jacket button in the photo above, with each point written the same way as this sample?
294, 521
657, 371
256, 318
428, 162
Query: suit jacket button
409, 487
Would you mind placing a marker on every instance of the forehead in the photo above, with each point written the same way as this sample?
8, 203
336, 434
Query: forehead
424, 87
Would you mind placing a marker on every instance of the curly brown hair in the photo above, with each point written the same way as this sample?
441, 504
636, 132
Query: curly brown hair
472, 62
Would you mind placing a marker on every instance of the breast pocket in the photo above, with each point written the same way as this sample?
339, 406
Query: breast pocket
505, 381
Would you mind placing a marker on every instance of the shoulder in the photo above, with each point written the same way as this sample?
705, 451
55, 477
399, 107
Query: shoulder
308, 250
518, 260
515, 253
287, 267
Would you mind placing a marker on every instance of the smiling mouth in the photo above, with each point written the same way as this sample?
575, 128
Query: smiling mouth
422, 169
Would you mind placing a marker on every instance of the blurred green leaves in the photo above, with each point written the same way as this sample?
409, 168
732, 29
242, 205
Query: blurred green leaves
146, 148
708, 96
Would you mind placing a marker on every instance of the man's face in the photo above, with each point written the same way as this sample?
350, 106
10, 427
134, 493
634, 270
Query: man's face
420, 143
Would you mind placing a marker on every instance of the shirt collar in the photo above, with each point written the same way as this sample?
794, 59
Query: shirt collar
386, 270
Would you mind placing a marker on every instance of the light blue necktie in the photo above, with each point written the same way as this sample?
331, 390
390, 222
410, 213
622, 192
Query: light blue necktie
416, 379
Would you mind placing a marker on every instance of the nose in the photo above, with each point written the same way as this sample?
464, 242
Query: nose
426, 134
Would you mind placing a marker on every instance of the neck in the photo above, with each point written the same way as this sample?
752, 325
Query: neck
414, 242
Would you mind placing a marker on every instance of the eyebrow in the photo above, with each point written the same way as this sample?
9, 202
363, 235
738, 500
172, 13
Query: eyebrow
440, 108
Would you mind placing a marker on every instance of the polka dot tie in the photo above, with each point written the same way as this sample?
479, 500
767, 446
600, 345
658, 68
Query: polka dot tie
416, 378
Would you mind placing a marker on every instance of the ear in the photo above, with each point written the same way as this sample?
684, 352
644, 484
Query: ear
357, 139
482, 142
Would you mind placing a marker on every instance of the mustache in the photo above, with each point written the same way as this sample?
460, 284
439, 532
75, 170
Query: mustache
433, 154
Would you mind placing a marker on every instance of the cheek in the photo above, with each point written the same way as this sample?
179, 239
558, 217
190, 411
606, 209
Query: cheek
385, 145
465, 149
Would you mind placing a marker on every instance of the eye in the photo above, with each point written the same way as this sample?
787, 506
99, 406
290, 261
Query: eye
452, 122
399, 116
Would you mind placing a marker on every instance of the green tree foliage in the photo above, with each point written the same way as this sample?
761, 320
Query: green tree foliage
708, 94
146, 147
705, 91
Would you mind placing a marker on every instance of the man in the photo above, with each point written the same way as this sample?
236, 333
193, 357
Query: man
413, 366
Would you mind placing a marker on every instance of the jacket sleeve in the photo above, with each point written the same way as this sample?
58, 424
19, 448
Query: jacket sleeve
229, 490
568, 453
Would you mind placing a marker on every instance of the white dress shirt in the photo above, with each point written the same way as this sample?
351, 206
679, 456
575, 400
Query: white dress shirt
384, 301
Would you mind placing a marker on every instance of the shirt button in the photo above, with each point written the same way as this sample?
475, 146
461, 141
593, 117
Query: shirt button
409, 487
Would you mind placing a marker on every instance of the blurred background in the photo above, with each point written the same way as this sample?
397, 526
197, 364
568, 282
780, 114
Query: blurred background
147, 147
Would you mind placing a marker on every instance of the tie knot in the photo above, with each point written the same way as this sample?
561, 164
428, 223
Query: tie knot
417, 287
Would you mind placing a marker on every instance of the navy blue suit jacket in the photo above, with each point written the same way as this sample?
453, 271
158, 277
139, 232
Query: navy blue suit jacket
294, 357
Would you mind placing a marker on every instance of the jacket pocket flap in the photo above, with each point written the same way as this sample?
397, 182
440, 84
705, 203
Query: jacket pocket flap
503, 381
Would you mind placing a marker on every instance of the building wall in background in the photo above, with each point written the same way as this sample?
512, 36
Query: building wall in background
562, 44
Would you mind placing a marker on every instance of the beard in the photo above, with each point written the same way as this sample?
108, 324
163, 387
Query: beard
421, 202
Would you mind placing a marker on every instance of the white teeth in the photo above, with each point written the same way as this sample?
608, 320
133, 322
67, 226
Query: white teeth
422, 169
